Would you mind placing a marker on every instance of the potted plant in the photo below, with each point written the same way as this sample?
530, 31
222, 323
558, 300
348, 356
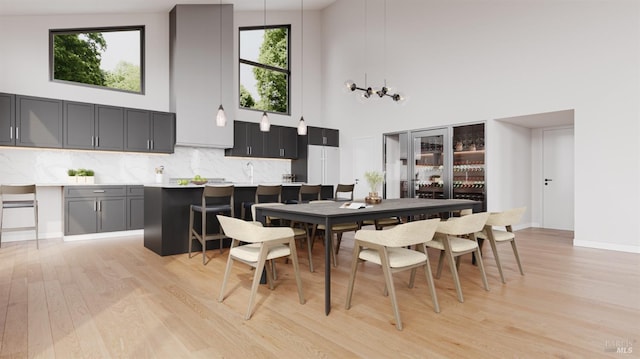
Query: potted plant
375, 179
85, 176
72, 176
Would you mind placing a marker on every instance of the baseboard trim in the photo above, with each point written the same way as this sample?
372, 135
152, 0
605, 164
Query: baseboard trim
118, 234
608, 246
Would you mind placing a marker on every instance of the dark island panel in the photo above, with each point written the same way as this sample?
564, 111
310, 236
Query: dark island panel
166, 215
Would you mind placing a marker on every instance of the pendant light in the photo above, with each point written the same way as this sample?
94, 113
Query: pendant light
265, 125
221, 117
302, 126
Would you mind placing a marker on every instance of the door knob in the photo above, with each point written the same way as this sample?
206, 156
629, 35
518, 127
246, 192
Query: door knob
546, 181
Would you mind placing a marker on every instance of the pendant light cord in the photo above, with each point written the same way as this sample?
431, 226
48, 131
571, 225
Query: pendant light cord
301, 56
220, 43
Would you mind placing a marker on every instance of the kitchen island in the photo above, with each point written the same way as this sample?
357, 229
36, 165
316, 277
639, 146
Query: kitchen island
166, 213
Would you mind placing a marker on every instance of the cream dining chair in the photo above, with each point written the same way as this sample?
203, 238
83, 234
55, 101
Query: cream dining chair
506, 220
263, 244
456, 238
387, 249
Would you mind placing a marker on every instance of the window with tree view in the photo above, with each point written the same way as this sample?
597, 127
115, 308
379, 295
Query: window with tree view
104, 57
264, 68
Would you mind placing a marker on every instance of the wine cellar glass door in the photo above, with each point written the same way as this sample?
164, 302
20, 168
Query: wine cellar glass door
469, 163
430, 175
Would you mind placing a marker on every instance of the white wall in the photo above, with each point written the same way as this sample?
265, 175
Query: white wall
462, 61
24, 64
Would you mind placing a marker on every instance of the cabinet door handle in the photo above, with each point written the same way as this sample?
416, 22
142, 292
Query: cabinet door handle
92, 141
148, 145
97, 141
98, 191
99, 206
151, 144
17, 133
11, 132
95, 206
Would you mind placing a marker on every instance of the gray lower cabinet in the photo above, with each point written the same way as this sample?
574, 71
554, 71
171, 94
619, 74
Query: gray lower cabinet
39, 122
94, 209
7, 119
135, 207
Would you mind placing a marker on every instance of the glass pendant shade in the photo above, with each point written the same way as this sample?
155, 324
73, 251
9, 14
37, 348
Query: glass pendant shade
302, 127
221, 117
265, 125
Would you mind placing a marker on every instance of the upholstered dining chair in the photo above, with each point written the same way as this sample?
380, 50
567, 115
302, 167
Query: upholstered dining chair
344, 192
456, 238
215, 200
262, 244
19, 196
387, 249
506, 220
299, 233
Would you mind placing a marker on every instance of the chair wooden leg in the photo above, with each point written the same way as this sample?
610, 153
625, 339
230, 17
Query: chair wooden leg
515, 252
296, 269
352, 276
388, 279
494, 248
412, 277
333, 252
1, 214
440, 264
338, 241
454, 273
256, 282
432, 288
309, 253
190, 230
227, 272
35, 219
481, 266
203, 235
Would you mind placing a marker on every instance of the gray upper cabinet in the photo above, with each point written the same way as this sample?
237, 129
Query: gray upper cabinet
7, 119
163, 132
38, 122
281, 142
89, 126
109, 127
323, 136
137, 129
201, 65
148, 131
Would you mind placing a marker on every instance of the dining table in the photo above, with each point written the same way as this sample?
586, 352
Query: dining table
330, 213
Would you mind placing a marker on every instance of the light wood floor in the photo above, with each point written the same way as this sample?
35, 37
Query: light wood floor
114, 298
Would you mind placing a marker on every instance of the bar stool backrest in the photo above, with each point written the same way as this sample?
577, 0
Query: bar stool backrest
218, 192
16, 189
270, 191
309, 190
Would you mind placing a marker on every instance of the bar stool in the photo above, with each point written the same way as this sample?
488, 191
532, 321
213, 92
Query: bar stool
13, 196
264, 194
217, 194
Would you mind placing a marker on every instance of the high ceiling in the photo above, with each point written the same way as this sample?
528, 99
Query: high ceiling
50, 7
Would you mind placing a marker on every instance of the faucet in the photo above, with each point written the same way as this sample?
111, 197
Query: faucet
250, 165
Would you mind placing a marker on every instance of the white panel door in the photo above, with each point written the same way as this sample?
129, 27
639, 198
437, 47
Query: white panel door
558, 183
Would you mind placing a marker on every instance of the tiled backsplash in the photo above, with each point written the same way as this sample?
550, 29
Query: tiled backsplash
29, 165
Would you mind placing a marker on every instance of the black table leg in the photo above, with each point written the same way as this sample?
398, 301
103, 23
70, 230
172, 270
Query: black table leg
327, 267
